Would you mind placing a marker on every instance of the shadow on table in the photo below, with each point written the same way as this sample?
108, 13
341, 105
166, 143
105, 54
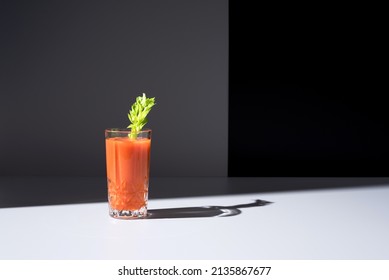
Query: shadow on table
203, 211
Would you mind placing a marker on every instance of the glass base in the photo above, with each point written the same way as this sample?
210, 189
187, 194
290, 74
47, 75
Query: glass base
128, 214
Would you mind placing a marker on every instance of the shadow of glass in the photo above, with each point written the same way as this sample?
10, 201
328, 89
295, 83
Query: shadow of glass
203, 211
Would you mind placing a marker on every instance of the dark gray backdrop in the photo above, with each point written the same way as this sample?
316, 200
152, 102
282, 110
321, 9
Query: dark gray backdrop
70, 69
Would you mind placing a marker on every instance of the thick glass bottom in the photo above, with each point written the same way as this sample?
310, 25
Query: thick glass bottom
128, 214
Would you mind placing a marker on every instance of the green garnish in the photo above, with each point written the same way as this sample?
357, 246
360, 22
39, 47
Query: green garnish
138, 113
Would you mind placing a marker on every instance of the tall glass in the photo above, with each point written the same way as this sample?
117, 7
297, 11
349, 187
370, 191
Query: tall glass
128, 168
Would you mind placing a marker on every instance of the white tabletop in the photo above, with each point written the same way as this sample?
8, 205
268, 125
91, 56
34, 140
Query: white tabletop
318, 224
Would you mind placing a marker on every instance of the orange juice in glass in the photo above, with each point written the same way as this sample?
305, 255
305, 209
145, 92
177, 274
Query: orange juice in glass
128, 168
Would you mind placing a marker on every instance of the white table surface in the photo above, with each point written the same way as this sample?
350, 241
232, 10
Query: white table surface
347, 223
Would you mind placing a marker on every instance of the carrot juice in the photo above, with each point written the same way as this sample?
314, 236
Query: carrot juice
128, 166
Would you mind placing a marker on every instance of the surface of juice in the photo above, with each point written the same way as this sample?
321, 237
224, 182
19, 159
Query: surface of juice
128, 164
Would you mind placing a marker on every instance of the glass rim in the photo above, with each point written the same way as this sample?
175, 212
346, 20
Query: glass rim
125, 130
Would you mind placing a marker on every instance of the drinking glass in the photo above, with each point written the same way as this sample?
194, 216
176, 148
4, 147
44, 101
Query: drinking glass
128, 168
